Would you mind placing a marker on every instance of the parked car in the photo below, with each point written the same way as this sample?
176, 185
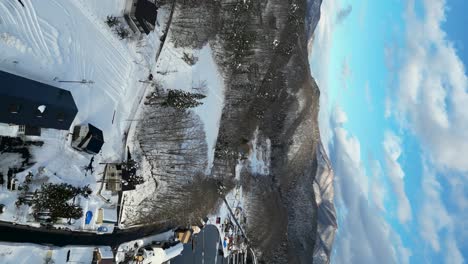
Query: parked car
89, 216
102, 230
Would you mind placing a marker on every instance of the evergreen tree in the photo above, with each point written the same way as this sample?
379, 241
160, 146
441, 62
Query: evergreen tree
55, 199
182, 100
112, 21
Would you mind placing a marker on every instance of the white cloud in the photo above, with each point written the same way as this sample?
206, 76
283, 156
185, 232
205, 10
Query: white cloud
364, 236
339, 116
453, 255
431, 96
343, 13
430, 100
377, 188
392, 149
433, 216
434, 220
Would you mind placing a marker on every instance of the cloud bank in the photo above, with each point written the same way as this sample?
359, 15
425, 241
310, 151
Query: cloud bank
430, 101
364, 236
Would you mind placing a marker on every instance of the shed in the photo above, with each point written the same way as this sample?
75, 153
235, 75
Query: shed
113, 177
106, 216
141, 15
103, 255
146, 13
87, 138
31, 103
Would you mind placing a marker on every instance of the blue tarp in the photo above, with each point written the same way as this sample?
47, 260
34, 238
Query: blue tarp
89, 216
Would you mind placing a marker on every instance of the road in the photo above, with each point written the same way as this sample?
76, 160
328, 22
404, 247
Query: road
60, 238
204, 249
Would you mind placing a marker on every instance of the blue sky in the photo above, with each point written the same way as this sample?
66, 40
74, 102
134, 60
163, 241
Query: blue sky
393, 116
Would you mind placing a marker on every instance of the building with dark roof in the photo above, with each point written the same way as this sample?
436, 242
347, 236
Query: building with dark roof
35, 104
141, 15
87, 138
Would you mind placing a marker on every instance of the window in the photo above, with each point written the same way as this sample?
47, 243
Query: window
61, 116
14, 108
40, 111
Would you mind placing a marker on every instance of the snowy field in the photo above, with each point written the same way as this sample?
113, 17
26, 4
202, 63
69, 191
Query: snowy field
34, 254
68, 40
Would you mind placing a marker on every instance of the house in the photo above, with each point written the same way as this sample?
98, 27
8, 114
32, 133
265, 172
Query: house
87, 138
113, 177
29, 130
34, 105
103, 255
75, 255
141, 15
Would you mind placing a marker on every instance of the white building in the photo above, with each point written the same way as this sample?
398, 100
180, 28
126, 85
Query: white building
156, 255
113, 177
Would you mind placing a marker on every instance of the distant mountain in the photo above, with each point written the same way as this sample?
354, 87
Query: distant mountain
312, 16
323, 182
324, 195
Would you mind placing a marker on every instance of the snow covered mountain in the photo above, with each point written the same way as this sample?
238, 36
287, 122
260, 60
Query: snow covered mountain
323, 182
326, 215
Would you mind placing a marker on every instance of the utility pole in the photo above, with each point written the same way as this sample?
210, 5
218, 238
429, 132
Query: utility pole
83, 81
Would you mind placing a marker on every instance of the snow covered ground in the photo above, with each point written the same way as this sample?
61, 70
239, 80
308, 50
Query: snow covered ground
202, 77
259, 158
55, 40
35, 254
173, 72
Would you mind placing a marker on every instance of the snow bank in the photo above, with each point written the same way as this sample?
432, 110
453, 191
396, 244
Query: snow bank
13, 253
103, 8
260, 156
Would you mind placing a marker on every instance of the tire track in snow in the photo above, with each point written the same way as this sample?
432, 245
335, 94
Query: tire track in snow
31, 23
6, 15
115, 72
71, 43
28, 28
51, 37
106, 34
110, 62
